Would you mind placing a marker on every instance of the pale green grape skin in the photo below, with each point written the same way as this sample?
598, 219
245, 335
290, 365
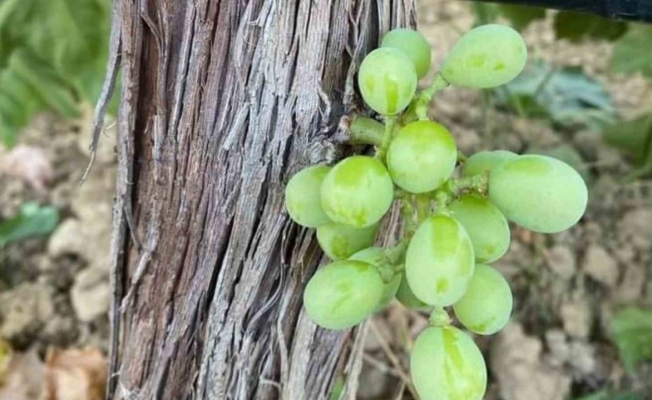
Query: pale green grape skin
484, 161
446, 364
342, 294
487, 56
303, 197
357, 191
421, 157
439, 261
387, 80
539, 193
485, 224
487, 304
340, 241
405, 296
374, 256
413, 45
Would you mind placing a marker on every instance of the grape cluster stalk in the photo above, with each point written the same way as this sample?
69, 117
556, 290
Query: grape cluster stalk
454, 209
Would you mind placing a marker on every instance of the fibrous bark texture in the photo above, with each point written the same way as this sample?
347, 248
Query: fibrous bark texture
221, 101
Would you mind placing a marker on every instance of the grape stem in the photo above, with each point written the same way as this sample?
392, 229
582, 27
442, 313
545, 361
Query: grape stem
407, 215
453, 188
420, 103
381, 152
461, 158
423, 207
439, 317
392, 261
365, 130
477, 183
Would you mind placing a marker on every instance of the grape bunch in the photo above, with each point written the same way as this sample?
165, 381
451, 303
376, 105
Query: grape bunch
454, 210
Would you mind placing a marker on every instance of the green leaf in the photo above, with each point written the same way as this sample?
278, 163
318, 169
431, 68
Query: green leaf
566, 96
576, 26
521, 16
45, 81
32, 220
484, 13
632, 331
606, 395
58, 48
7, 133
632, 52
632, 137
337, 389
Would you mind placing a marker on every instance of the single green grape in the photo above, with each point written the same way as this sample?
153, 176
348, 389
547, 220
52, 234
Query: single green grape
387, 80
339, 241
374, 256
342, 294
486, 56
405, 296
485, 224
539, 193
303, 197
357, 191
484, 161
446, 364
421, 157
439, 261
413, 45
487, 304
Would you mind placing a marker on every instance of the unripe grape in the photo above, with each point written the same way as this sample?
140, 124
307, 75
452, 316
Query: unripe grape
439, 261
357, 191
405, 296
487, 304
485, 224
484, 161
339, 241
486, 56
303, 197
421, 157
446, 364
374, 256
342, 294
387, 80
413, 45
539, 193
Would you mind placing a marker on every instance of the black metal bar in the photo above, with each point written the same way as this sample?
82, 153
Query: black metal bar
632, 10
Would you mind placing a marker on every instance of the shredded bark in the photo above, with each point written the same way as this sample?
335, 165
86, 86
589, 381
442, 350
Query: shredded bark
222, 101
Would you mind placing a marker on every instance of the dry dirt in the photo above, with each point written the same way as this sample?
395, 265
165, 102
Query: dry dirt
54, 290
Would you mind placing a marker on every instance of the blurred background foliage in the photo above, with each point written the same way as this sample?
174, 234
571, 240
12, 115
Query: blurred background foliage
52, 57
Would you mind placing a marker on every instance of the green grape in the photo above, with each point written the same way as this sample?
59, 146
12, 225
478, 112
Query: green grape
405, 296
485, 57
387, 80
374, 256
485, 224
357, 191
439, 261
339, 241
342, 294
539, 193
303, 197
487, 304
446, 364
421, 157
484, 161
413, 45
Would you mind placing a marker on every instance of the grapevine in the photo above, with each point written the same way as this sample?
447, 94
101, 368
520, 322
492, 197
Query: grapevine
454, 209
